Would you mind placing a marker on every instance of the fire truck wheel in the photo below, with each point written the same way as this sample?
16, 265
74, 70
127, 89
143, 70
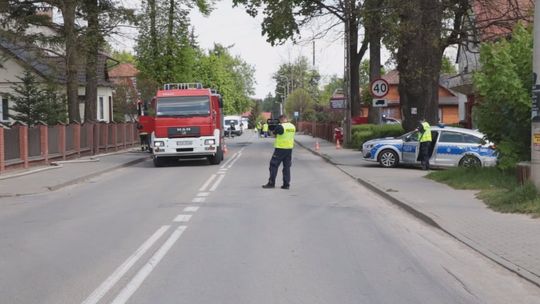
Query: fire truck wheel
217, 158
158, 162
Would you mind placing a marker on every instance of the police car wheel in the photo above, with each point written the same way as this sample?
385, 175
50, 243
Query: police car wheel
388, 159
470, 161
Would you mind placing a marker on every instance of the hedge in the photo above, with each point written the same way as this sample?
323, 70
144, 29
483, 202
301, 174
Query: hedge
363, 133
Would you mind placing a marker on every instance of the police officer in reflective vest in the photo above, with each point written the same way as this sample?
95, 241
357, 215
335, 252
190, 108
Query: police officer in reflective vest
283, 145
424, 137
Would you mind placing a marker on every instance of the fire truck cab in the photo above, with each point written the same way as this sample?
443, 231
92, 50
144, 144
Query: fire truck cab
186, 122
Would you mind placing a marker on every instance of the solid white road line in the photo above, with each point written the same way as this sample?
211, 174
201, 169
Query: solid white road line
234, 161
203, 194
122, 269
191, 209
182, 218
198, 200
216, 184
139, 278
229, 160
203, 188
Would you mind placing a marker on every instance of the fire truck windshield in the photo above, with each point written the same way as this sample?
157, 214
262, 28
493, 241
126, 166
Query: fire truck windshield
183, 106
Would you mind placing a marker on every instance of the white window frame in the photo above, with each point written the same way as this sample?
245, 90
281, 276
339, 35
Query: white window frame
2, 114
101, 110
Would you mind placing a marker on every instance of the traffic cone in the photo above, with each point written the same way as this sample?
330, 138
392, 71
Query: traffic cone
317, 146
225, 150
338, 146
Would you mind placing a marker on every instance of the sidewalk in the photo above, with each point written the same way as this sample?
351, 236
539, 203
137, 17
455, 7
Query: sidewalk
511, 240
50, 178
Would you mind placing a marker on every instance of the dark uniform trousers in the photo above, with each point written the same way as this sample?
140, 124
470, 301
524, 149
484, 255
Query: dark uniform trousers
424, 154
279, 156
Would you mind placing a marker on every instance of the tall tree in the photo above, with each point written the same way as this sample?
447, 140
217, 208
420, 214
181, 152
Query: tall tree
283, 20
93, 41
164, 50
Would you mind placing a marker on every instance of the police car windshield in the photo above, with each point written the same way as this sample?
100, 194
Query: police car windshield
183, 106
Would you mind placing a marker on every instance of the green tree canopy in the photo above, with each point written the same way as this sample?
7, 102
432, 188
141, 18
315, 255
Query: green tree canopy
504, 83
35, 102
230, 75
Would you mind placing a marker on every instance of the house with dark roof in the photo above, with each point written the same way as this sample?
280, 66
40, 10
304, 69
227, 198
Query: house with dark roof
16, 57
489, 20
448, 101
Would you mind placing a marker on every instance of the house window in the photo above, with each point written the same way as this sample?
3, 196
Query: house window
4, 109
100, 108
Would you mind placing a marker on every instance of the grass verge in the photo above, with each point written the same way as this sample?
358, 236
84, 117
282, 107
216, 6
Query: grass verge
498, 189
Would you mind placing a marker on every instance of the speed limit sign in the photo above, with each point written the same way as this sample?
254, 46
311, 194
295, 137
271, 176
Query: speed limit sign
379, 88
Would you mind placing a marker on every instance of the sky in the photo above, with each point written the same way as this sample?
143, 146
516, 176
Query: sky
234, 27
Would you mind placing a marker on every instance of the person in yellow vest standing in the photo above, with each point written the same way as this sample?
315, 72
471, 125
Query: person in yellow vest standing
424, 137
283, 146
265, 129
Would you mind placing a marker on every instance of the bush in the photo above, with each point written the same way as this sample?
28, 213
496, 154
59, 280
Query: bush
504, 83
363, 133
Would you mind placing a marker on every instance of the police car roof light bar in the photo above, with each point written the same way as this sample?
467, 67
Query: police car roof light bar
182, 86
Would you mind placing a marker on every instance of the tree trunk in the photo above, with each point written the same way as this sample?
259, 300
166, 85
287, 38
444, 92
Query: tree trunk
93, 40
419, 61
373, 30
154, 47
355, 68
72, 81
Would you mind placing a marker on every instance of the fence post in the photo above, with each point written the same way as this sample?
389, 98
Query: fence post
105, 135
96, 135
77, 138
114, 134
23, 142
62, 139
44, 141
2, 150
124, 135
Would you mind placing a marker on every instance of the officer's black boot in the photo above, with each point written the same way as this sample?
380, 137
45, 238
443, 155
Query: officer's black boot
269, 185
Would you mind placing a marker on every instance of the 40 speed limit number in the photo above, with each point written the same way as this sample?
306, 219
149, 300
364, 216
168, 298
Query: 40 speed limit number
379, 88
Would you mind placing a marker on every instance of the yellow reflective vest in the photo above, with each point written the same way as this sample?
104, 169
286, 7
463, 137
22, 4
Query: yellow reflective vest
426, 136
285, 140
265, 127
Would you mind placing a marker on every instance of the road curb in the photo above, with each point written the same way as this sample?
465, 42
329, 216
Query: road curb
523, 273
53, 166
94, 174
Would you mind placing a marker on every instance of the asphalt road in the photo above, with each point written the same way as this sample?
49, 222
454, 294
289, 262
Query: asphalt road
196, 233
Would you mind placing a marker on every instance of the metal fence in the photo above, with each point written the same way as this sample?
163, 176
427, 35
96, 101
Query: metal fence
28, 145
53, 143
11, 144
34, 141
70, 140
320, 130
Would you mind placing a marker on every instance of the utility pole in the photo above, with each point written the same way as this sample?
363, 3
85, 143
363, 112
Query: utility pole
347, 76
535, 124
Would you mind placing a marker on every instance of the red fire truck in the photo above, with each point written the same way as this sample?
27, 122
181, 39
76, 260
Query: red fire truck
185, 121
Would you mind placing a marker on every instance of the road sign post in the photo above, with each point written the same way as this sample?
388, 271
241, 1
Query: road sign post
379, 88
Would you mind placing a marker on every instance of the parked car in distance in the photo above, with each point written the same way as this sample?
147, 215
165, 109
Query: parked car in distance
232, 124
390, 120
450, 147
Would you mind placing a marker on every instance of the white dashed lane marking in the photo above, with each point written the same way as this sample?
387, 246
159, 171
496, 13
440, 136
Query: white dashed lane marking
191, 209
124, 268
203, 194
198, 200
216, 184
139, 278
182, 218
205, 185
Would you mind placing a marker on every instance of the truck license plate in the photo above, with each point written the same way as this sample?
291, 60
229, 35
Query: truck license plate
184, 143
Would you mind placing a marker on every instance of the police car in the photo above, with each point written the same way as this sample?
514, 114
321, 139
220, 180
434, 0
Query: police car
450, 147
